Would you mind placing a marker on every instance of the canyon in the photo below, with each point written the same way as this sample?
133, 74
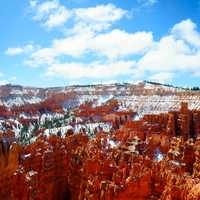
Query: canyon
113, 142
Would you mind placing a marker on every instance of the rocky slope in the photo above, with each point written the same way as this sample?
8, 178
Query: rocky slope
143, 97
153, 158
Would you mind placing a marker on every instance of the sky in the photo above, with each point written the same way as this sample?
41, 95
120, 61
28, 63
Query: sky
47, 43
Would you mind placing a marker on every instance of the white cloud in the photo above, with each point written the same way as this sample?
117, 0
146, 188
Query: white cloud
147, 2
50, 13
100, 13
119, 43
162, 77
114, 45
91, 37
46, 7
178, 51
93, 70
75, 45
187, 31
165, 55
41, 57
58, 18
13, 51
98, 18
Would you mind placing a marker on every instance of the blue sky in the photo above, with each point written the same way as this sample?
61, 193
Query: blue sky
56, 43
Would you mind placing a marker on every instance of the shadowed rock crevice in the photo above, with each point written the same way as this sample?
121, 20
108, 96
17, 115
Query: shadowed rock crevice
67, 195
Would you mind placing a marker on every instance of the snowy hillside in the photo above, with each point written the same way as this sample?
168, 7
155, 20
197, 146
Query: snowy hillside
143, 97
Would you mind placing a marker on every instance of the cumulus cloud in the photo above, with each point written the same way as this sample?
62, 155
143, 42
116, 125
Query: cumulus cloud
13, 51
118, 43
187, 31
98, 18
74, 46
93, 70
85, 34
100, 13
40, 57
113, 45
177, 51
50, 13
164, 55
93, 49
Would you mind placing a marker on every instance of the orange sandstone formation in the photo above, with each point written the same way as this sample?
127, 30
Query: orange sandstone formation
154, 158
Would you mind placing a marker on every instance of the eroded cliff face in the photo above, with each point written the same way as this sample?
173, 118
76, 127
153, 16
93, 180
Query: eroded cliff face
142, 97
156, 157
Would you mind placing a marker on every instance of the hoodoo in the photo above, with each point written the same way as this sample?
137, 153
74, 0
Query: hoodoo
155, 157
